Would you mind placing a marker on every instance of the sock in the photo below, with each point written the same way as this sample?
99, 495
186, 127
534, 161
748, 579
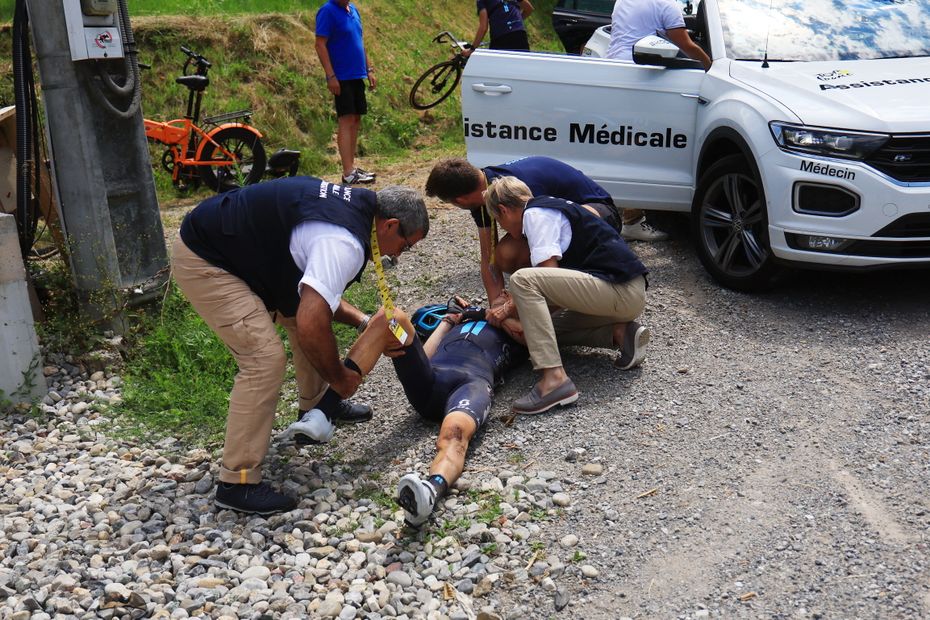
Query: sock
331, 398
439, 484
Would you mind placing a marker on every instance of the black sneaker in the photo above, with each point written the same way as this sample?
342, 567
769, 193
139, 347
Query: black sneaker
352, 413
256, 498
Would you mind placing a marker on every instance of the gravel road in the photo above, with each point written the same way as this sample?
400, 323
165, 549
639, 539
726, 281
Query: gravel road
769, 459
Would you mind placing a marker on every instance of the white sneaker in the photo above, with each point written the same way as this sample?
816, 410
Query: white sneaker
416, 497
313, 427
641, 230
358, 176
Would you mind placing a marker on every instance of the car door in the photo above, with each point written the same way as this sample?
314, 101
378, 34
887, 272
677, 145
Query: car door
575, 20
629, 127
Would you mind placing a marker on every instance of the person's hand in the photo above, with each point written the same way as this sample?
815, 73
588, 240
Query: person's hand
501, 308
514, 329
372, 81
348, 383
467, 51
394, 348
333, 86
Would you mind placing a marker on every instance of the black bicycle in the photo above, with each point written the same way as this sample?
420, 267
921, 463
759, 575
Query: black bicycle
440, 80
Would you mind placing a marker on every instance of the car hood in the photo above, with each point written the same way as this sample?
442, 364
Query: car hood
889, 95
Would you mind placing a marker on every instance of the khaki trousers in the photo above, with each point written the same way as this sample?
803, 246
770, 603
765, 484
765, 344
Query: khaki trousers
588, 309
239, 318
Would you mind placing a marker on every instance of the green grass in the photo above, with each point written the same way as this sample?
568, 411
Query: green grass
179, 375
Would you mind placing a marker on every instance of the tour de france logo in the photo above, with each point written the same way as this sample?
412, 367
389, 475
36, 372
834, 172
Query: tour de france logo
833, 75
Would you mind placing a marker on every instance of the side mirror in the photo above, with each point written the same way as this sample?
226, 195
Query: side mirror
654, 50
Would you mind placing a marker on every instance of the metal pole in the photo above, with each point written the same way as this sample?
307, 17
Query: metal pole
103, 175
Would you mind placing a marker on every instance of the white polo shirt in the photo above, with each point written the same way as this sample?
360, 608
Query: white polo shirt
329, 255
632, 20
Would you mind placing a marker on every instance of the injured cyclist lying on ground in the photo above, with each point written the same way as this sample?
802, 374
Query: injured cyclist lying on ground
450, 378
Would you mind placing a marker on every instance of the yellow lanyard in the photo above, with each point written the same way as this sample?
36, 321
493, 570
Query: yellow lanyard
383, 289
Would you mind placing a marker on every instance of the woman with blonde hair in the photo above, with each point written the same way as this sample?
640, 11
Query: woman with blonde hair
583, 268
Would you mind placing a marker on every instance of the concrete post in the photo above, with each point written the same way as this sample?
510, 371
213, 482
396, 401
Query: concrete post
21, 377
102, 171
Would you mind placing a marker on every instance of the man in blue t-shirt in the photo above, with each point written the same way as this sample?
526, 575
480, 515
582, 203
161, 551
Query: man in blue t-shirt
341, 48
505, 19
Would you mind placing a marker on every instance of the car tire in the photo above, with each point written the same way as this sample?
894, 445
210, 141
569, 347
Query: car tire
729, 223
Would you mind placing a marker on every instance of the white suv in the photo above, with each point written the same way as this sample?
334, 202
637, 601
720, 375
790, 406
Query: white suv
807, 142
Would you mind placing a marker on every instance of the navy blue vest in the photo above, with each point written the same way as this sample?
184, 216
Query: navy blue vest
596, 248
247, 231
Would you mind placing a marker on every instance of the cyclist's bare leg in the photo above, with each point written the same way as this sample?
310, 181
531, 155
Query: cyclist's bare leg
457, 430
347, 140
377, 339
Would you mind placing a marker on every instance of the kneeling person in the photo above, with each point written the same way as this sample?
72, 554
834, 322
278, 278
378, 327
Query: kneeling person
449, 378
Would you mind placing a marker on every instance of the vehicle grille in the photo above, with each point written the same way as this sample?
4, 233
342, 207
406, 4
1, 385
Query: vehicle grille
911, 225
905, 158
889, 249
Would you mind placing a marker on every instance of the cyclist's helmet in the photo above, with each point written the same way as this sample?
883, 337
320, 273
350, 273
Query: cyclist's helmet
426, 319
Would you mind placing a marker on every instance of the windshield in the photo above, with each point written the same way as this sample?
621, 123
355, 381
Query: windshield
825, 29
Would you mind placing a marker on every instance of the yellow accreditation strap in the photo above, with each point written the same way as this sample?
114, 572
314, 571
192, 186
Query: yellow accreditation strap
383, 289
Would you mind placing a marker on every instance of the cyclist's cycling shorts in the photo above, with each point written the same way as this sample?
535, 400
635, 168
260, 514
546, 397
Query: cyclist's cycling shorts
464, 381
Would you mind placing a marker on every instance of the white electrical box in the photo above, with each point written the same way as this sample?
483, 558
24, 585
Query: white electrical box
93, 29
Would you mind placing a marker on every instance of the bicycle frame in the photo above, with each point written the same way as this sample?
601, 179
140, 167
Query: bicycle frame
179, 134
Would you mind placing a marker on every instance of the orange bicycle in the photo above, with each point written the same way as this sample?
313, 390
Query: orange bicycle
228, 155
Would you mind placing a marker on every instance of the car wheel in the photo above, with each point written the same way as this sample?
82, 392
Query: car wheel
730, 226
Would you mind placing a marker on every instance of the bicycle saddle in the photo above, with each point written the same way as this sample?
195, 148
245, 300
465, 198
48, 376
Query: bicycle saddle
196, 83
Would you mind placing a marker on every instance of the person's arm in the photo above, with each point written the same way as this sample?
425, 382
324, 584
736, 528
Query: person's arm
348, 314
514, 329
525, 8
317, 341
491, 276
369, 68
479, 35
681, 38
549, 262
332, 82
445, 325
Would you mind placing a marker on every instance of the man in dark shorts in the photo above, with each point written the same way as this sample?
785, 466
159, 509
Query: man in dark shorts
505, 19
458, 182
449, 378
341, 48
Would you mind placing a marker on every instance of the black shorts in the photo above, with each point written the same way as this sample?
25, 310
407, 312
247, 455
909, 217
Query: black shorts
515, 40
351, 98
435, 391
609, 213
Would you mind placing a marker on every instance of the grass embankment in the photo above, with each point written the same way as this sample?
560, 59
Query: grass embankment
178, 374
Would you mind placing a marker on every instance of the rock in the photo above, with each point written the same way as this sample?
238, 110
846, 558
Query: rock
561, 599
204, 485
400, 578
592, 469
329, 608
589, 571
569, 540
256, 572
561, 499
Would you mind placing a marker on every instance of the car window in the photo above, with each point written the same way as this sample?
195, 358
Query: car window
590, 6
806, 30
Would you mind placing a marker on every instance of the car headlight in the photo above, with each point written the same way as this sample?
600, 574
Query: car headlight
827, 142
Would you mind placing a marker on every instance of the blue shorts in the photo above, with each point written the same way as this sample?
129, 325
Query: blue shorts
436, 390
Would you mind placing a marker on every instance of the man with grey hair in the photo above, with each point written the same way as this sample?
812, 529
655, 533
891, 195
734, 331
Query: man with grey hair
284, 251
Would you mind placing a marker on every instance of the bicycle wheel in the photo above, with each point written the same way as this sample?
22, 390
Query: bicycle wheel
250, 159
435, 85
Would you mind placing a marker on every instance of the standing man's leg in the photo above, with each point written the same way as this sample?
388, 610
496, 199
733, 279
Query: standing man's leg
636, 228
351, 105
239, 318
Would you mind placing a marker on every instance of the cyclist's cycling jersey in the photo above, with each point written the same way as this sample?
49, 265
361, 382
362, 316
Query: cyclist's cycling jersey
462, 375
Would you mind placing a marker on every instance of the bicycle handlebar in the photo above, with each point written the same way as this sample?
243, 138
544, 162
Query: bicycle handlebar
195, 57
445, 35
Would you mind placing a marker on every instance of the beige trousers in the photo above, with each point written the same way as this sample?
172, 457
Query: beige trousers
588, 309
239, 318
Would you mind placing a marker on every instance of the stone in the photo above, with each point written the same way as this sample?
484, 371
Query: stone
256, 572
589, 571
561, 499
400, 578
569, 540
592, 469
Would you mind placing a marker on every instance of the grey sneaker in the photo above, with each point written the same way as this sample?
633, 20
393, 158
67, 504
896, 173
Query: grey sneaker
533, 402
633, 349
641, 230
312, 427
358, 176
417, 498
